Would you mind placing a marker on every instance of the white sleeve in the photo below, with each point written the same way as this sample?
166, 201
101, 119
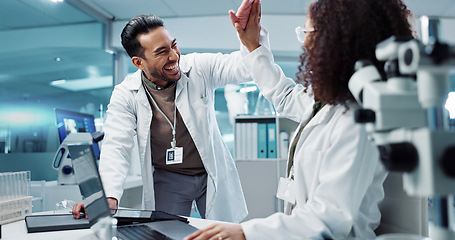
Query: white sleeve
263, 40
120, 129
218, 70
288, 98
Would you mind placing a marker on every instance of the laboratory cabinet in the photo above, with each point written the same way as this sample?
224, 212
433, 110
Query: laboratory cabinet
260, 152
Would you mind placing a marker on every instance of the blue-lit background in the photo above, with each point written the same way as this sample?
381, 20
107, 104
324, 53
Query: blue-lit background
54, 55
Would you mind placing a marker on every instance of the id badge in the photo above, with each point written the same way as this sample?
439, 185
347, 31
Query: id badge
174, 155
285, 190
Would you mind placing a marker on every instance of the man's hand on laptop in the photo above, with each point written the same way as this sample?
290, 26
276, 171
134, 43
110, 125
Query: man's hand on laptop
79, 208
112, 202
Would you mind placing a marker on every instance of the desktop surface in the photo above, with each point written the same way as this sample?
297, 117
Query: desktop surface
18, 231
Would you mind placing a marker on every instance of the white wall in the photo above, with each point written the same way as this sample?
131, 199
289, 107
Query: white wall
217, 33
77, 35
447, 31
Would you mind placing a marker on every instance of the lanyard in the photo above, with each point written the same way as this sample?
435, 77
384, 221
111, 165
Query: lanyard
174, 142
316, 107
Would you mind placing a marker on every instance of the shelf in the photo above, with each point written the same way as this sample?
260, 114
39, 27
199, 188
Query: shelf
260, 176
260, 159
251, 136
257, 117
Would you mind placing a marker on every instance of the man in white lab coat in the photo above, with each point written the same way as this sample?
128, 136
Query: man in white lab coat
168, 105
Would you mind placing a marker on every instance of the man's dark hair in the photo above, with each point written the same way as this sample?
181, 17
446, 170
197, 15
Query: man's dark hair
138, 25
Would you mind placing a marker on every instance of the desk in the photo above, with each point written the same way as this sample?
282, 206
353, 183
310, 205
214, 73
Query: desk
18, 231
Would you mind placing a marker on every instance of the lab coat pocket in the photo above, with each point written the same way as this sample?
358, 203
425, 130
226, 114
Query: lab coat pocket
204, 97
201, 109
307, 160
201, 98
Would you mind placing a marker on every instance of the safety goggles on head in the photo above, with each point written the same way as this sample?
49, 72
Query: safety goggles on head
301, 31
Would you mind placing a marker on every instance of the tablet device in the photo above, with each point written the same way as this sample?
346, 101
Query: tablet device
128, 216
54, 222
58, 222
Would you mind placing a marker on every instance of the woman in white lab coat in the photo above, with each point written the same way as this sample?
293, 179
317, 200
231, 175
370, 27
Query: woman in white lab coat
335, 180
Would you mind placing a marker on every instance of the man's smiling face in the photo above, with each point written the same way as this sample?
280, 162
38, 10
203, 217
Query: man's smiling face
161, 56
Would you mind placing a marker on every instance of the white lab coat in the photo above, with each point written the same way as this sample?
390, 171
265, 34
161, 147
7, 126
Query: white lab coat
129, 115
338, 175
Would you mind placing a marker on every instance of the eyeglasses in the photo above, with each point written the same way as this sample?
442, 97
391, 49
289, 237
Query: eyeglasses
301, 31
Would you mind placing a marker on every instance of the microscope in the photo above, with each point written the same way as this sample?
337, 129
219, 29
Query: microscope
405, 117
62, 160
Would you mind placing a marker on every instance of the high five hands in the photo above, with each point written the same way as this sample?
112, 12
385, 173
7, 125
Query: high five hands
247, 23
242, 14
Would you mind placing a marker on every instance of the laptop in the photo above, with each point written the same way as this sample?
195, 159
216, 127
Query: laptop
145, 224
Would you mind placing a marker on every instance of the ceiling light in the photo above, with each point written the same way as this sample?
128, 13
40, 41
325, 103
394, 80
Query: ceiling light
57, 82
25, 116
57, 1
57, 59
75, 85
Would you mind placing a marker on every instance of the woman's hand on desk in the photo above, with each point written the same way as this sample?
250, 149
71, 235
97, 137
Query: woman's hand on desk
218, 231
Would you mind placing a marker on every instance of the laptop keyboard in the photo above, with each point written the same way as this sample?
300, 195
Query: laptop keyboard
139, 232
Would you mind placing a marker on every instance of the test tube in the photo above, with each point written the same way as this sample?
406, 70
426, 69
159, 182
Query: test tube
12, 186
3, 184
8, 181
2, 187
29, 182
16, 184
20, 184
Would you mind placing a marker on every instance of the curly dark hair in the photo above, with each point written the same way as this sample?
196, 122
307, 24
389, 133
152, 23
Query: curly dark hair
347, 31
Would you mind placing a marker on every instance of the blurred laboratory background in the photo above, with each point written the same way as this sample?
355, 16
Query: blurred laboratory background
66, 54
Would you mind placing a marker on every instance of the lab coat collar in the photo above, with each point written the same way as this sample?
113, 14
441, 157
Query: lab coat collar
323, 116
326, 113
182, 82
134, 83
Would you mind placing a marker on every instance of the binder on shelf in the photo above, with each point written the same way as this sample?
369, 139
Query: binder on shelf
243, 152
262, 140
246, 140
238, 140
254, 140
271, 140
249, 141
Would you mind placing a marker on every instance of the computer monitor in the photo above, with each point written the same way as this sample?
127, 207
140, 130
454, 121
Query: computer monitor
69, 121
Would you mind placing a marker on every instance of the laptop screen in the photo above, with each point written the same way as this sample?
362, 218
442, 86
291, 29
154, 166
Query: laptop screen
88, 178
96, 206
69, 122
